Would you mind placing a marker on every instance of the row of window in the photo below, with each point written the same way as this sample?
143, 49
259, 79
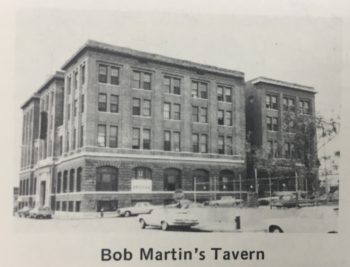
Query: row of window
27, 187
72, 80
288, 104
68, 206
74, 145
288, 152
75, 107
273, 125
172, 85
70, 182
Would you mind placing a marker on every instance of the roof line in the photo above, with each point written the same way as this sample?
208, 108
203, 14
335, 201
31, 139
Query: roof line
57, 75
94, 45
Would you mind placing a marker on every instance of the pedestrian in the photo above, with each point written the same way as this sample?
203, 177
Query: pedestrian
101, 211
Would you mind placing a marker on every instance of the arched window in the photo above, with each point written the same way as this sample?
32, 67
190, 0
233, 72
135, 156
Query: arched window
226, 180
201, 180
106, 179
59, 181
65, 181
79, 172
71, 180
172, 179
142, 173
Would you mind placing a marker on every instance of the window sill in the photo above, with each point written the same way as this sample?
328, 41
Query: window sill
141, 116
225, 102
171, 94
111, 84
142, 89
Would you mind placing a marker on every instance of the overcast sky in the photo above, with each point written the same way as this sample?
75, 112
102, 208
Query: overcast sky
302, 50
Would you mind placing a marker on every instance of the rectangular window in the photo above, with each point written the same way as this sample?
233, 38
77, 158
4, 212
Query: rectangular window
229, 145
204, 143
203, 89
146, 81
68, 111
220, 93
269, 123
113, 136
146, 108
102, 73
136, 79
82, 74
70, 205
136, 106
195, 115
275, 150
167, 141
77, 206
82, 103
64, 205
172, 85
114, 108
75, 110
102, 102
204, 115
228, 94
101, 136
81, 135
289, 104
176, 141
176, 86
270, 148
274, 124
135, 138
305, 107
228, 118
58, 205
61, 145
146, 135
195, 143
167, 84
167, 111
220, 117
69, 84
74, 138
67, 143
194, 89
114, 75
177, 111
221, 147
286, 149
75, 80
271, 102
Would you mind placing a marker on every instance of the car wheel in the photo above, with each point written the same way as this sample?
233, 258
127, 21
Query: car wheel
143, 224
127, 214
164, 225
275, 229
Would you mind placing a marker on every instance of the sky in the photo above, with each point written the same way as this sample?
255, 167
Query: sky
299, 49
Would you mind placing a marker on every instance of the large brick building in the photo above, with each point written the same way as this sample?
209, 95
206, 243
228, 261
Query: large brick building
120, 126
276, 113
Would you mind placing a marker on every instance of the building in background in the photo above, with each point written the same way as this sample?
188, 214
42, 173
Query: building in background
121, 126
281, 133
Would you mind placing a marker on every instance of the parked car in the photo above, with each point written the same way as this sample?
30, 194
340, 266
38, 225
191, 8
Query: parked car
264, 201
225, 201
169, 217
23, 212
40, 213
138, 208
290, 200
319, 219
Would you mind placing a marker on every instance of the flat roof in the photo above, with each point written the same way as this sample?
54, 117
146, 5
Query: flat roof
58, 75
107, 48
32, 98
282, 83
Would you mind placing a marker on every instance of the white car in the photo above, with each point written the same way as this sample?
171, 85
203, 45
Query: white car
138, 208
225, 201
40, 213
169, 217
319, 219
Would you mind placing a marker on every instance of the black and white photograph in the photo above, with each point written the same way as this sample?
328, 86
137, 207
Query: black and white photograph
177, 136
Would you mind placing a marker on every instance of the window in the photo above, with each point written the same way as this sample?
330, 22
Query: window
101, 136
74, 137
226, 180
220, 93
146, 108
228, 94
204, 115
195, 115
229, 145
172, 85
58, 205
220, 117
194, 89
136, 79
79, 173
114, 75
166, 112
146, 138
177, 111
77, 206
147, 81
71, 180
82, 103
82, 74
172, 179
65, 181
68, 111
288, 104
221, 146
102, 73
75, 110
271, 102
201, 180
136, 138
269, 123
304, 106
176, 141
58, 186
106, 179
102, 102
204, 143
203, 89
195, 143
67, 141
114, 108
142, 173
69, 83
289, 150
228, 118
272, 123
61, 145
136, 106
113, 136
81, 135
273, 149
141, 80
64, 205
75, 80
167, 140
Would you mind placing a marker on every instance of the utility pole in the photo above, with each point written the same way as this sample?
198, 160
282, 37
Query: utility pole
256, 180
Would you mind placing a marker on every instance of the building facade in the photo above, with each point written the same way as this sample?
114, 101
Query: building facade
281, 132
121, 126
